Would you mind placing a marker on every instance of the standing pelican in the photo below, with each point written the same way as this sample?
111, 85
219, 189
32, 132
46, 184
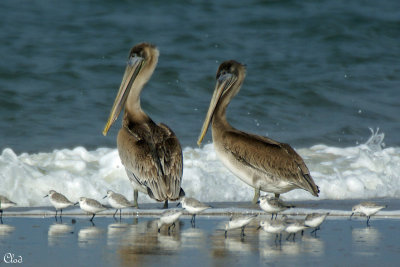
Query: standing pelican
151, 153
260, 162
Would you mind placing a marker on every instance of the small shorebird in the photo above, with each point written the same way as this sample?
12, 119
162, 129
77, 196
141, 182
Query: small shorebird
239, 221
90, 206
315, 220
259, 161
169, 217
150, 152
293, 227
193, 206
5, 203
274, 227
59, 201
273, 205
117, 201
366, 209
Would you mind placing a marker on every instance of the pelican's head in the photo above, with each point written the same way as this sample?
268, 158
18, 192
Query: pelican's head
142, 60
229, 77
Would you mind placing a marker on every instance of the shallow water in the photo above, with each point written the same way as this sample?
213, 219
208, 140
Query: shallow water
135, 241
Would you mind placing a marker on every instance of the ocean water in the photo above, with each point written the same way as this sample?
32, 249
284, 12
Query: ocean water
319, 75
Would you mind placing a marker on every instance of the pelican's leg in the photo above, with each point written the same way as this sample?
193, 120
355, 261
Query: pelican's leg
165, 204
135, 198
256, 195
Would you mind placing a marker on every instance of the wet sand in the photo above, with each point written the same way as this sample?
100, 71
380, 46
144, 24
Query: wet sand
40, 240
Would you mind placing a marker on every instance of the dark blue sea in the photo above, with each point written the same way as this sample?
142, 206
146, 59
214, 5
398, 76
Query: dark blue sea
318, 72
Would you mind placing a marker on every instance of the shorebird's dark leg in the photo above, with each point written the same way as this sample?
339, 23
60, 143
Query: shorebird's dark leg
60, 213
135, 198
277, 195
91, 219
193, 221
242, 233
120, 214
256, 195
226, 233
368, 217
272, 217
302, 232
287, 238
115, 213
1, 216
294, 237
165, 204
56, 215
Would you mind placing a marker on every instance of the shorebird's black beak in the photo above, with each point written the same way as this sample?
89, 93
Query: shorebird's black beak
258, 228
76, 203
45, 196
258, 202
351, 215
104, 197
179, 203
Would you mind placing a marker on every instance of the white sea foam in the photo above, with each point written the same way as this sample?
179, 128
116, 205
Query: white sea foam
364, 171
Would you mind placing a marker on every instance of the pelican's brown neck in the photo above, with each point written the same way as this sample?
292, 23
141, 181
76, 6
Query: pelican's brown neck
133, 109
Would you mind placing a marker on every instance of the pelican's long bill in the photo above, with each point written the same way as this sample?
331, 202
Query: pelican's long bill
224, 83
132, 70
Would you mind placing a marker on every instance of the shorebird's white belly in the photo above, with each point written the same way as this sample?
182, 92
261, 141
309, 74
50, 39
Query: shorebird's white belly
115, 204
253, 177
89, 208
4, 206
59, 205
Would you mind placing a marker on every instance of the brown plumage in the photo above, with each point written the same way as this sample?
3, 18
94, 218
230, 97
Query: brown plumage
150, 153
261, 162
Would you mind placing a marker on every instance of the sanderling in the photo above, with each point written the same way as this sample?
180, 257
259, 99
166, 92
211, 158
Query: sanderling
239, 221
193, 206
273, 205
169, 217
315, 220
5, 203
59, 201
91, 206
367, 209
274, 227
117, 201
293, 227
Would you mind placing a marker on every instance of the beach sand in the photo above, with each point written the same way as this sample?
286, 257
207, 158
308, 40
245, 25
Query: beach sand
33, 236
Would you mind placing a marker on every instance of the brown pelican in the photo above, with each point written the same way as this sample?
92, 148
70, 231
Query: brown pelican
261, 162
151, 153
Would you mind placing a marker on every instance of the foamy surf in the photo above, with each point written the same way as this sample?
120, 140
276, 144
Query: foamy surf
364, 171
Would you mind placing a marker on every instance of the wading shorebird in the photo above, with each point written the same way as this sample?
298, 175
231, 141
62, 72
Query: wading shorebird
239, 221
273, 205
59, 201
150, 153
366, 209
117, 201
315, 220
263, 163
274, 227
194, 207
5, 203
91, 206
